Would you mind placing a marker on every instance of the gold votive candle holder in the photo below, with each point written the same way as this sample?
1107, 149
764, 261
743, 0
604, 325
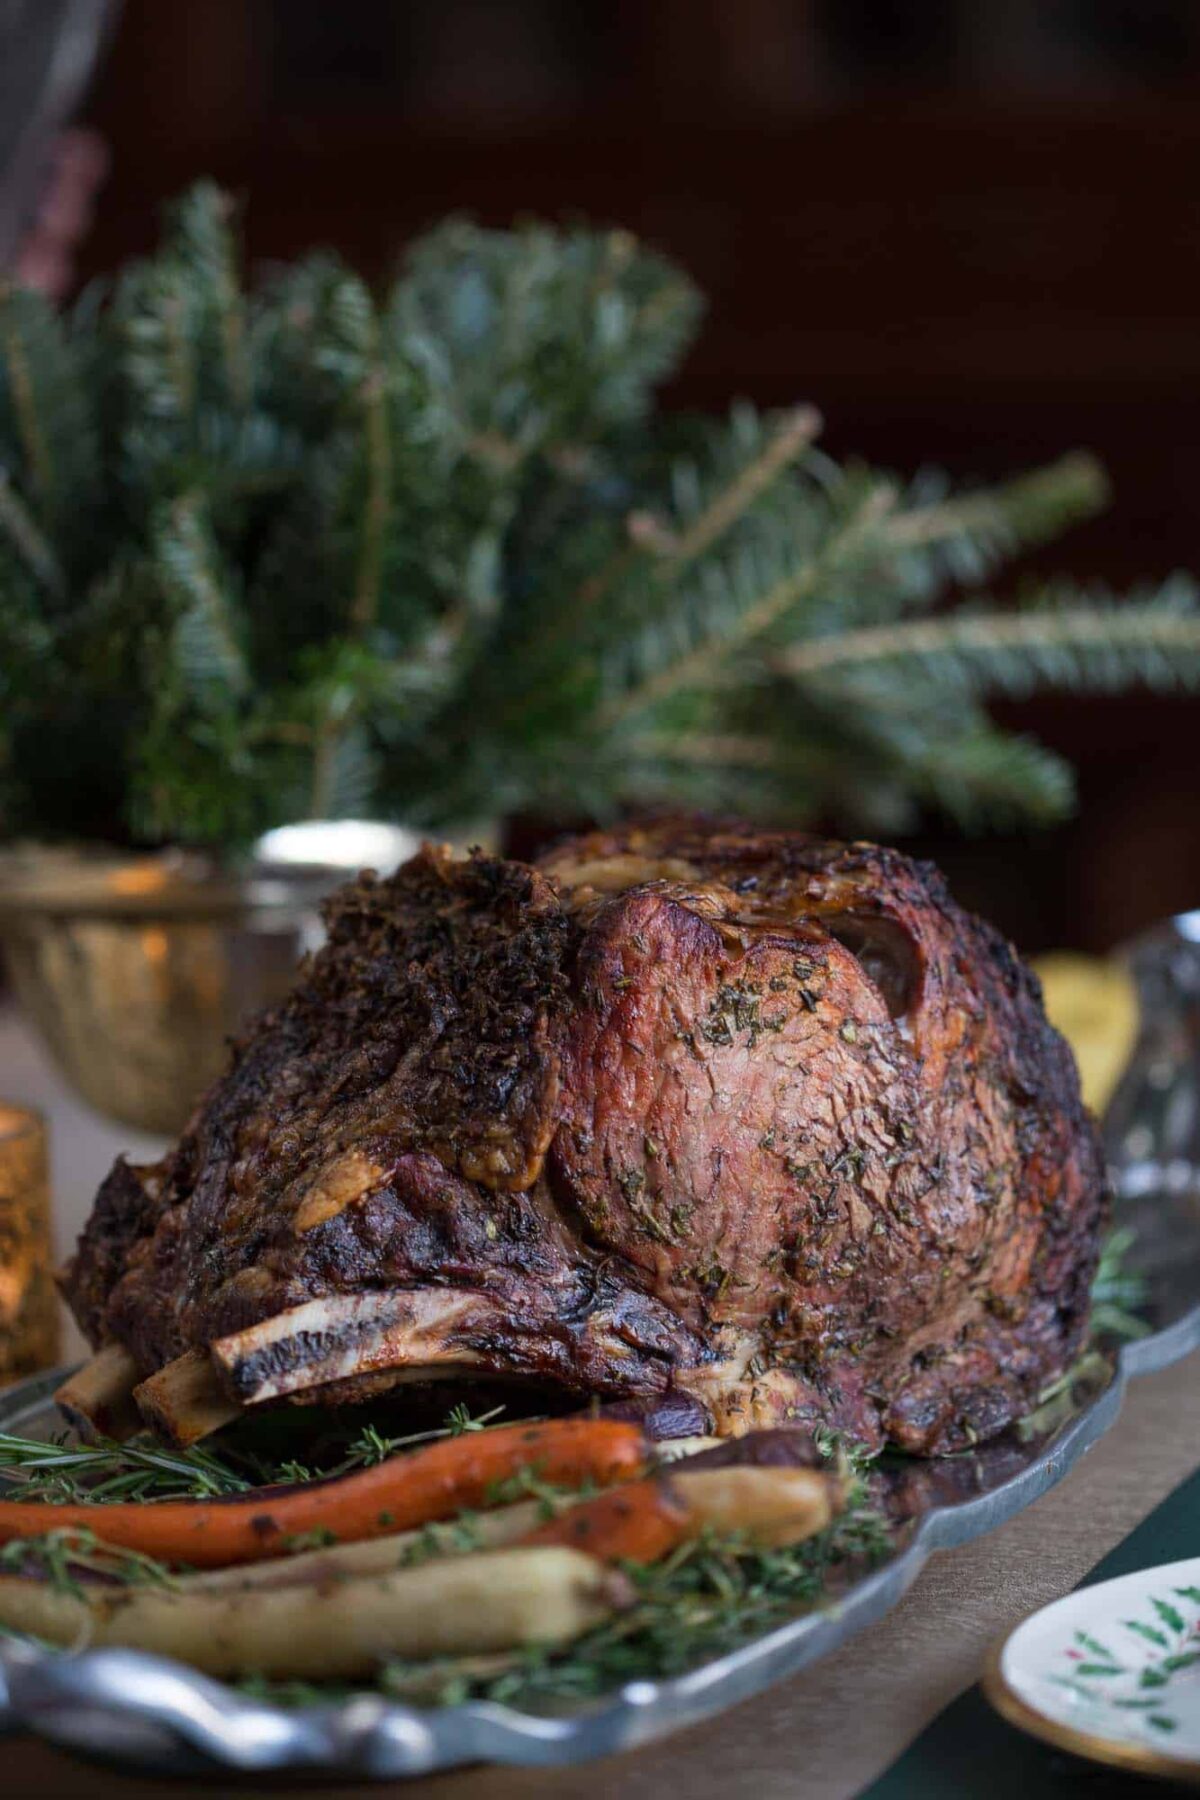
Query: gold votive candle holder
29, 1316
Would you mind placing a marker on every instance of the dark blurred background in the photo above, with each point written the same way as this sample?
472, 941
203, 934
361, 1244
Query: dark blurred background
969, 231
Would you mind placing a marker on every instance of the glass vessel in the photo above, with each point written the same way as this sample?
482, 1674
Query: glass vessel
1152, 1125
29, 1317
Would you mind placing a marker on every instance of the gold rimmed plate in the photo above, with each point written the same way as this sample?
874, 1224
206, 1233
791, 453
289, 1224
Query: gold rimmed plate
1111, 1672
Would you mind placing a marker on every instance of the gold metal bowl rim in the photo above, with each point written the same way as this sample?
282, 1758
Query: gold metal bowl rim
112, 886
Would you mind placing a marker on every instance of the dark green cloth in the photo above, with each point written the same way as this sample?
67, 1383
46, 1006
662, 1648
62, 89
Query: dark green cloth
969, 1749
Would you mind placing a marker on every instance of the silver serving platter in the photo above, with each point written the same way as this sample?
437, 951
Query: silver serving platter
152, 1713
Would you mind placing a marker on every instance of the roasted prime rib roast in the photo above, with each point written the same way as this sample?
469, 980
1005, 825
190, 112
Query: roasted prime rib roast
754, 1118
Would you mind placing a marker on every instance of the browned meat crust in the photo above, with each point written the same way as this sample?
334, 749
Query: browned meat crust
758, 1117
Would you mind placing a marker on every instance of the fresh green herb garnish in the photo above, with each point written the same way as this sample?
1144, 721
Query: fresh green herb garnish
709, 1597
59, 1471
60, 1557
459, 1419
448, 1537
96, 1474
319, 1538
527, 1484
295, 1693
1118, 1292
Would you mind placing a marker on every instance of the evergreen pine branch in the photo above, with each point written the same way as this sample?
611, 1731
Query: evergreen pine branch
793, 433
47, 435
208, 658
629, 583
537, 337
935, 539
153, 328
358, 354
378, 451
735, 607
294, 549
1155, 642
873, 536
994, 779
26, 538
297, 323
21, 317
345, 776
179, 324
995, 522
199, 235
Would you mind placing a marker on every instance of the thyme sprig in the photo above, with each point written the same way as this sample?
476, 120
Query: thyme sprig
706, 1599
61, 1557
370, 1446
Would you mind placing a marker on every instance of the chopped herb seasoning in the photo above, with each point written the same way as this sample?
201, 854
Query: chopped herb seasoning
319, 1538
736, 1009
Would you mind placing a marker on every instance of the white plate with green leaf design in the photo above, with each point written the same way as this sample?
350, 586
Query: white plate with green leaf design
1112, 1671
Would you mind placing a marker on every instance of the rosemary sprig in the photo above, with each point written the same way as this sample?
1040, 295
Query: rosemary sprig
56, 1470
1118, 1292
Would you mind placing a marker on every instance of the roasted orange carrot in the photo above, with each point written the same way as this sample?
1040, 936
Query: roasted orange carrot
646, 1519
416, 1489
640, 1522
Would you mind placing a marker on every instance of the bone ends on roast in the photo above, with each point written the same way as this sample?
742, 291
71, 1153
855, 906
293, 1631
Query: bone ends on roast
97, 1400
184, 1401
340, 1337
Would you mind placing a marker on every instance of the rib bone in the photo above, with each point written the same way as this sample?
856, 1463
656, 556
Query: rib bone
184, 1402
418, 1330
98, 1398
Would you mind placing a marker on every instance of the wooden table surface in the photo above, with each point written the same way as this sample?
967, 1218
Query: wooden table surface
822, 1736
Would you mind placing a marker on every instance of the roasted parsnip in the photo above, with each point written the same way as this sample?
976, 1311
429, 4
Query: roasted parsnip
339, 1629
